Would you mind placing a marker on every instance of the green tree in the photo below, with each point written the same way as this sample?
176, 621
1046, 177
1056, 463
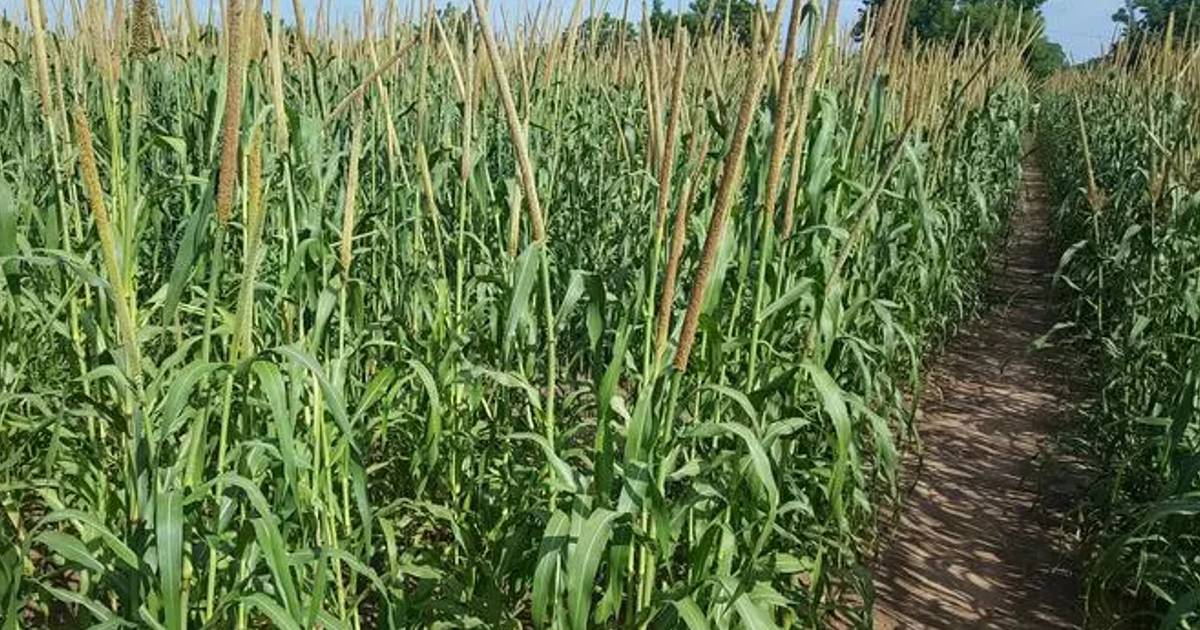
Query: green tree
661, 20
927, 19
708, 16
944, 20
451, 14
716, 15
606, 30
1151, 16
1044, 58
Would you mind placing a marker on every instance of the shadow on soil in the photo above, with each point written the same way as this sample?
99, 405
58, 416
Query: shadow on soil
983, 540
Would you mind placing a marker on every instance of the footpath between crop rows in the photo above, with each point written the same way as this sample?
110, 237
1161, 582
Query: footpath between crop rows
980, 540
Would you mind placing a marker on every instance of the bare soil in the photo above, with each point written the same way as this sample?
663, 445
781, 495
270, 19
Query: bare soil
982, 538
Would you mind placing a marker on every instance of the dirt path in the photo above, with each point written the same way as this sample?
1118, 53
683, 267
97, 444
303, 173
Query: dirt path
978, 544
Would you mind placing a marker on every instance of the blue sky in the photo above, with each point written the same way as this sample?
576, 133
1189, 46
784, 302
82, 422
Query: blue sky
1083, 27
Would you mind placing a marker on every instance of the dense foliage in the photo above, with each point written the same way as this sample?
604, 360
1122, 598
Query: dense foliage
1122, 153
1153, 16
425, 330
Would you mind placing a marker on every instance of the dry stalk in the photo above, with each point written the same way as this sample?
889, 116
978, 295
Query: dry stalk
348, 208
357, 92
667, 164
783, 104
41, 61
800, 138
731, 177
515, 131
678, 240
117, 35
231, 121
298, 9
276, 61
108, 246
145, 28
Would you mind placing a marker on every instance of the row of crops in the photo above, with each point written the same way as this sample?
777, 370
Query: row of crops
425, 325
1122, 153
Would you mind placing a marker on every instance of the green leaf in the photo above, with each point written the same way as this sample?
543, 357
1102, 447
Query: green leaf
194, 236
168, 533
638, 429
119, 548
327, 620
276, 556
584, 562
182, 383
545, 576
10, 583
333, 397
375, 390
761, 464
518, 308
597, 297
257, 500
885, 445
565, 473
433, 426
752, 615
834, 402
270, 381
113, 623
606, 394
780, 305
71, 597
8, 220
514, 381
1187, 605
70, 548
781, 429
737, 397
690, 613
316, 595
272, 610
358, 567
1065, 261
570, 300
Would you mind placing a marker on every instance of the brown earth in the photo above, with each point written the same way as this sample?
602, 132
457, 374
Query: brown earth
981, 541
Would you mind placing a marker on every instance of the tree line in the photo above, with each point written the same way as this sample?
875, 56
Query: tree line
932, 21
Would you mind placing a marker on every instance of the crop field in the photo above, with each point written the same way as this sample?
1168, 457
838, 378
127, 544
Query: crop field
462, 319
1124, 139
